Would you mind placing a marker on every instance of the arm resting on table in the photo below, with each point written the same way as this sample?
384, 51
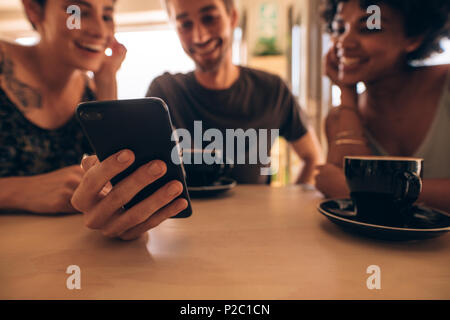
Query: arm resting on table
435, 192
10, 191
48, 193
308, 150
345, 135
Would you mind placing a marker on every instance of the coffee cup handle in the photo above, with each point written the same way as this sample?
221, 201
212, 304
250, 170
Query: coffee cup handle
412, 186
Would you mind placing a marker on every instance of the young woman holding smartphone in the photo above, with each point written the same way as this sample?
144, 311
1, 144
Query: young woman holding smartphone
41, 143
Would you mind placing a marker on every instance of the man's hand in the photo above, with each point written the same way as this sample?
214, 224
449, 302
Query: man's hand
102, 204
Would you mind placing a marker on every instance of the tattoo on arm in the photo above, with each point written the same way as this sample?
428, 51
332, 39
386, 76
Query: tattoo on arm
26, 95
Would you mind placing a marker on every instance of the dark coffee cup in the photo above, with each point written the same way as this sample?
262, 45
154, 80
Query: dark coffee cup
204, 167
384, 189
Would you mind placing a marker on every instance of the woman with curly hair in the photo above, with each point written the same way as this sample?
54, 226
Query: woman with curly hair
405, 110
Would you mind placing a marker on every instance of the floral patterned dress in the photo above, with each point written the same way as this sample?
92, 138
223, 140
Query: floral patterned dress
26, 149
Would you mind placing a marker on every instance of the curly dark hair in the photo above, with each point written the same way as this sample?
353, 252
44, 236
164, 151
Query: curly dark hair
428, 18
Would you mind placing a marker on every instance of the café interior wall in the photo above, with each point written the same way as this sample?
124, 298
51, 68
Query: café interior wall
312, 90
305, 14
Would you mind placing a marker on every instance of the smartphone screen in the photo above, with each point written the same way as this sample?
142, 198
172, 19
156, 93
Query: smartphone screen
142, 126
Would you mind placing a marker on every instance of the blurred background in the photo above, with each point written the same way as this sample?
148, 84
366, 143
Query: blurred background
284, 37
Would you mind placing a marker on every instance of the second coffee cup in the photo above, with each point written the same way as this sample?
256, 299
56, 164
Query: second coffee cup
383, 189
204, 167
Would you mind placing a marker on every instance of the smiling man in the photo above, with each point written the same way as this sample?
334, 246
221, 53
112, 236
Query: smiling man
224, 96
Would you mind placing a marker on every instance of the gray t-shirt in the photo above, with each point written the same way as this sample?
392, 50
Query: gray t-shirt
257, 100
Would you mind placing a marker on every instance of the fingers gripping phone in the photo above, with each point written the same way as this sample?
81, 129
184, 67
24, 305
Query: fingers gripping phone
142, 126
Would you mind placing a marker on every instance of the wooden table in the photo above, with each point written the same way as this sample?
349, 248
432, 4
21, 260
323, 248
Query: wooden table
255, 243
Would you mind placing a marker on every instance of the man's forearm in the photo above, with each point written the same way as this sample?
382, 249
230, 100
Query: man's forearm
306, 175
308, 150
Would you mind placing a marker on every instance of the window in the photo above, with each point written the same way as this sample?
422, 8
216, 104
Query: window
150, 54
443, 58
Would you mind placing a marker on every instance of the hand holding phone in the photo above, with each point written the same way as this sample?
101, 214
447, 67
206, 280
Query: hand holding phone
132, 140
104, 209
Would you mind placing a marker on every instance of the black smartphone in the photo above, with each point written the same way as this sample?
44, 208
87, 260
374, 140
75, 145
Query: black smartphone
142, 126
